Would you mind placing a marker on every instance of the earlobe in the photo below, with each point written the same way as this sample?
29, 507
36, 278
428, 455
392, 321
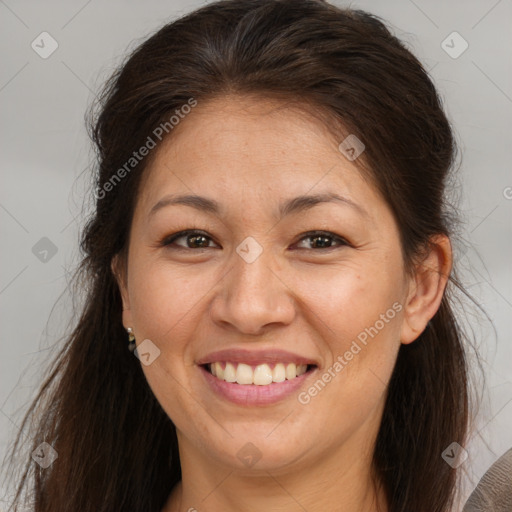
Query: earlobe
427, 288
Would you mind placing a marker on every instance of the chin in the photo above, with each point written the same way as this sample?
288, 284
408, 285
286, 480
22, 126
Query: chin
253, 454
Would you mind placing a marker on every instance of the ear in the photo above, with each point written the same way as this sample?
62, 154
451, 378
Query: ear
118, 268
426, 288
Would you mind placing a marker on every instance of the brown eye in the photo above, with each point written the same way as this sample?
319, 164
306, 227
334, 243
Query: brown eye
193, 240
323, 240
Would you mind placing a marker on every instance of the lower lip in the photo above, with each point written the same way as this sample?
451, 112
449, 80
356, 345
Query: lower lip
252, 394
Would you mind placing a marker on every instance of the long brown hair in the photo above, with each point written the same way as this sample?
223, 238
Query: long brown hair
117, 449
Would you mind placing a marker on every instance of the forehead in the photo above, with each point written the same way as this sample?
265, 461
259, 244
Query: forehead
253, 148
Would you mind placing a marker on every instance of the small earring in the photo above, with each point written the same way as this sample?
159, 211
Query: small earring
131, 339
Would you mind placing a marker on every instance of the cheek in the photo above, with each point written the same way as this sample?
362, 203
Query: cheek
163, 298
345, 302
165, 302
357, 314
349, 390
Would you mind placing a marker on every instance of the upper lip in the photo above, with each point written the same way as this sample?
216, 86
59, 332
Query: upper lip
255, 357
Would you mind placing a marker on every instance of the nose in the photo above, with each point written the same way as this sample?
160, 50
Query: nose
252, 296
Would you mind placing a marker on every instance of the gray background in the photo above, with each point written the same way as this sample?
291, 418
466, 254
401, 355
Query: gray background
46, 157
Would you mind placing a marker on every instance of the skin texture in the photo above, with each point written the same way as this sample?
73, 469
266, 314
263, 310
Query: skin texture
250, 155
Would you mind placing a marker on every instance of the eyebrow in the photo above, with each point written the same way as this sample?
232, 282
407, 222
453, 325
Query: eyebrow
295, 205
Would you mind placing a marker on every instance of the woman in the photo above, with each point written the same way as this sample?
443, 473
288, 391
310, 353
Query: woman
271, 234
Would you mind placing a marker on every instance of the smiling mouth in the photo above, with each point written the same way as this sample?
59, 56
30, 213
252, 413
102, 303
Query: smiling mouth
259, 375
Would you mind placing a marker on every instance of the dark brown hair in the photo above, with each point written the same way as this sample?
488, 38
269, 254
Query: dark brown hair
117, 449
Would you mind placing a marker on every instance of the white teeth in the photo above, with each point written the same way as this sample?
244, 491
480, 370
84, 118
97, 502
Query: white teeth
219, 371
262, 375
244, 374
229, 373
291, 371
301, 369
279, 373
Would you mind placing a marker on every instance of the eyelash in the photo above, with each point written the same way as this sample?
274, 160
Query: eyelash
169, 240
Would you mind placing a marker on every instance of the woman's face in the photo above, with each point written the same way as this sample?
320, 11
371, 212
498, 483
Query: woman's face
256, 292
